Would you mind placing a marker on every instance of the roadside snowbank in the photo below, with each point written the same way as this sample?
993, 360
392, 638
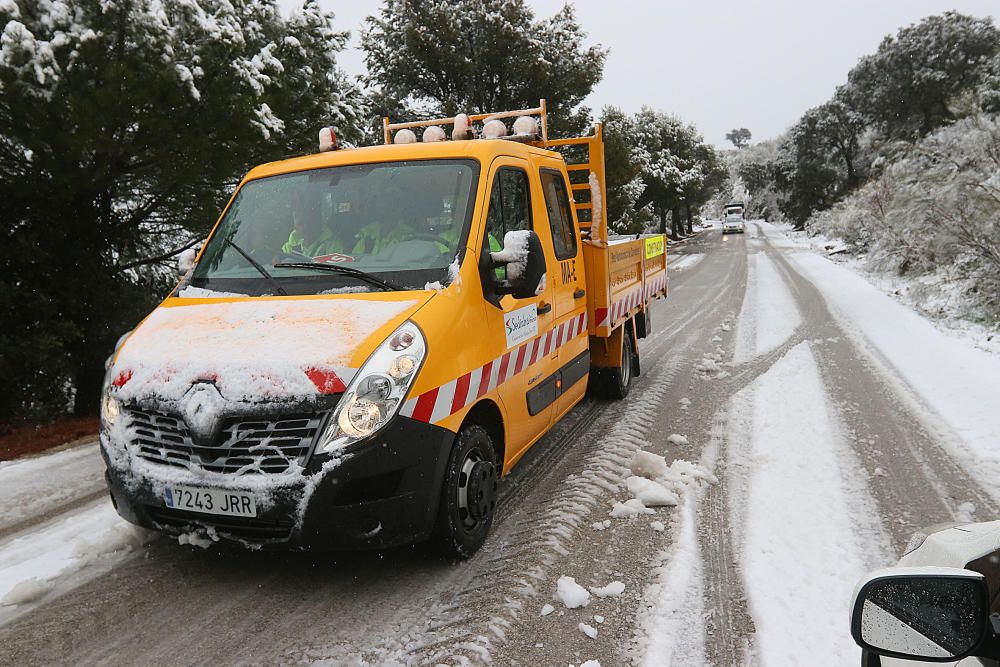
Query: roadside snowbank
77, 546
34, 486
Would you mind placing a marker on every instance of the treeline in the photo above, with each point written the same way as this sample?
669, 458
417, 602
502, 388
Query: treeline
125, 124
902, 164
927, 76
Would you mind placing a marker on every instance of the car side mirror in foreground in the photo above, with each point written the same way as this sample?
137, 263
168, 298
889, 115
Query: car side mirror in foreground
934, 614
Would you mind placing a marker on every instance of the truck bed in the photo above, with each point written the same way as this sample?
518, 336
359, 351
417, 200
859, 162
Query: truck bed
623, 276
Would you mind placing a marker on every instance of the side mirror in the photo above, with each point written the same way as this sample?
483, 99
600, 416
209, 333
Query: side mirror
185, 260
524, 258
935, 614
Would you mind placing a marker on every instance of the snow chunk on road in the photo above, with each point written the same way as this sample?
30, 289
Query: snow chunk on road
652, 494
707, 365
648, 465
591, 663
612, 590
630, 508
26, 591
547, 609
658, 526
598, 619
588, 630
572, 594
677, 439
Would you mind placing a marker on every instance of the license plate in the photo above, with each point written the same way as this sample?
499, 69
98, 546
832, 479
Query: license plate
210, 501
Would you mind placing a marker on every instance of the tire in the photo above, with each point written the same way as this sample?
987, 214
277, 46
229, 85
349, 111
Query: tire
618, 380
468, 494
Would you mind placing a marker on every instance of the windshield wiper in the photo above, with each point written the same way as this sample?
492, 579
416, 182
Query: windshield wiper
344, 271
259, 268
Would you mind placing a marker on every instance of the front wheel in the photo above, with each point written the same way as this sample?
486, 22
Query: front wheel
469, 493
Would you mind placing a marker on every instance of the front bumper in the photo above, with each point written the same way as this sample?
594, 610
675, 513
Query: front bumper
380, 493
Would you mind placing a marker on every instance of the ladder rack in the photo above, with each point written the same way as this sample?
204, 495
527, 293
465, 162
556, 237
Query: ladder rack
592, 219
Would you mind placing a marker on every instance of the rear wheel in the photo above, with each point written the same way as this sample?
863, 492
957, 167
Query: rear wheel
615, 382
469, 493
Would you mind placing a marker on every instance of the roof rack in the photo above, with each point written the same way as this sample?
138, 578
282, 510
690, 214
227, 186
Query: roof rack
389, 128
585, 177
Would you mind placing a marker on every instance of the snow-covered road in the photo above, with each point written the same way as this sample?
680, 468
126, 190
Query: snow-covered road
791, 427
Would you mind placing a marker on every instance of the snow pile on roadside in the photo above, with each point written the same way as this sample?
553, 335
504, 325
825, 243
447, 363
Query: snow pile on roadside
75, 544
30, 487
957, 381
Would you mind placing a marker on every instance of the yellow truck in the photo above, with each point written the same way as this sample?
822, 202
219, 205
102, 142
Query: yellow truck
371, 338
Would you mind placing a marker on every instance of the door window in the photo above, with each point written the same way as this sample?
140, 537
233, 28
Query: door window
510, 203
560, 219
510, 209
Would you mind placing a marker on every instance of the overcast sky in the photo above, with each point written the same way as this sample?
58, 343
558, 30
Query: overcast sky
719, 64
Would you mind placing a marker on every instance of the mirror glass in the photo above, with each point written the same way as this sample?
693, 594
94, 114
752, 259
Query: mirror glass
923, 616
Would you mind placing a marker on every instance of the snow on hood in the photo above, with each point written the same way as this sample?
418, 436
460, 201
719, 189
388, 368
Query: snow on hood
251, 350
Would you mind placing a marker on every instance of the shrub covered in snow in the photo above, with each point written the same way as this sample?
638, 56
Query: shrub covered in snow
933, 214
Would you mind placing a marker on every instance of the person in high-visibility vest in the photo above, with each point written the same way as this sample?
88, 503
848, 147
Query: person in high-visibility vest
309, 235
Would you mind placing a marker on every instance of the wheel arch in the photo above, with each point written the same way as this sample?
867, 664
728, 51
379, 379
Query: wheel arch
487, 414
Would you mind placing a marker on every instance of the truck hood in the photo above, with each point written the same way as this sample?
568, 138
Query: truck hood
256, 350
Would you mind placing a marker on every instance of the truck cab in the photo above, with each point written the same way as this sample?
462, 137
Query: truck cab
371, 338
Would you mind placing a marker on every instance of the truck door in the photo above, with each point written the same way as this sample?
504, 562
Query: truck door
527, 351
569, 286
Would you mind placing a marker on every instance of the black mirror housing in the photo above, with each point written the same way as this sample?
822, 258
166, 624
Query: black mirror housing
530, 263
526, 284
932, 615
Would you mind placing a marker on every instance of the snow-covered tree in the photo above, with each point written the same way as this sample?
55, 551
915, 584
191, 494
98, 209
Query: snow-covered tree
123, 124
740, 138
907, 87
624, 161
450, 56
932, 211
677, 167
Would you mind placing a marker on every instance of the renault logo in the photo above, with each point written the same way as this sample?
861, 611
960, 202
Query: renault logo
202, 408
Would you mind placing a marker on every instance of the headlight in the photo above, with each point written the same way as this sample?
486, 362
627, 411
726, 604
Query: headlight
110, 408
378, 390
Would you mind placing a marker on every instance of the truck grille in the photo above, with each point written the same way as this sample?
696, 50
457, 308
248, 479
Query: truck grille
244, 446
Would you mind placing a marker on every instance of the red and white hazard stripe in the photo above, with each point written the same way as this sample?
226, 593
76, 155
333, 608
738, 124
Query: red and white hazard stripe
434, 405
619, 308
656, 285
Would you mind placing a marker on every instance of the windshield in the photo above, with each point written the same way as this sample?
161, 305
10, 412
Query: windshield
402, 222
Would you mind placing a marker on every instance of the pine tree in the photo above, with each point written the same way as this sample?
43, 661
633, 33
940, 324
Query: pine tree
123, 124
476, 56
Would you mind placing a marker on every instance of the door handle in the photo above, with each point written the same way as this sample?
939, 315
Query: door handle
579, 294
544, 308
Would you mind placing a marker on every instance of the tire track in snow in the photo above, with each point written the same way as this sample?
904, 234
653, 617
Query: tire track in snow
915, 481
